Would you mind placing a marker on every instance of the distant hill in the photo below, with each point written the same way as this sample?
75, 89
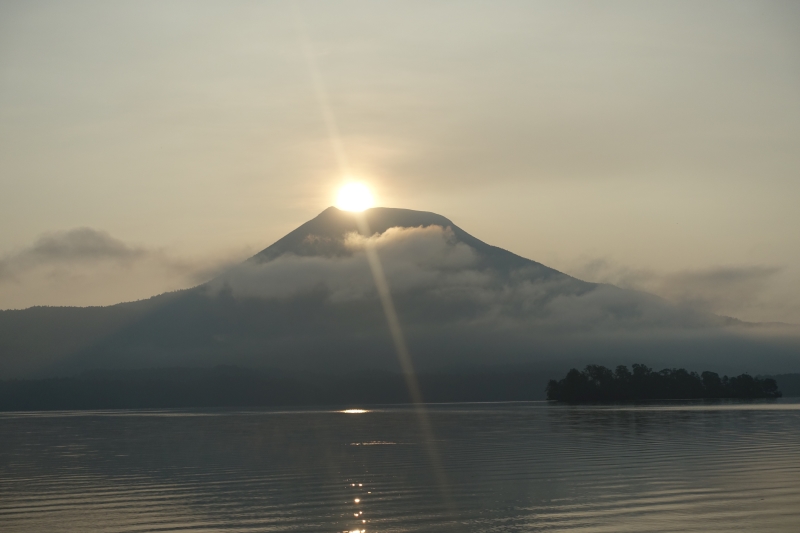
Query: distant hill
307, 303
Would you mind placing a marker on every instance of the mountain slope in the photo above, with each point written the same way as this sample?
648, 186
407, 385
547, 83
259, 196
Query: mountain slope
308, 302
322, 236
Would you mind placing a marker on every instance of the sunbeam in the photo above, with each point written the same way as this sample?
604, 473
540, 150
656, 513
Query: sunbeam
381, 284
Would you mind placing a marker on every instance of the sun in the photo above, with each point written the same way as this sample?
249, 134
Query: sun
354, 196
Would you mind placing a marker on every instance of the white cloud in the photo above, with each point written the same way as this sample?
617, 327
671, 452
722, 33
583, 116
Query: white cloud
742, 291
412, 258
429, 267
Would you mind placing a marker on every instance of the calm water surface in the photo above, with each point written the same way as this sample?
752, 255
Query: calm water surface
500, 467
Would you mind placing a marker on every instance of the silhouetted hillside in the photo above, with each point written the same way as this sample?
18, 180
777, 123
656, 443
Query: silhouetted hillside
243, 387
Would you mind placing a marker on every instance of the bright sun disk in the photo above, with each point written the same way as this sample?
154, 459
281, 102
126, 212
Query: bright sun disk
354, 197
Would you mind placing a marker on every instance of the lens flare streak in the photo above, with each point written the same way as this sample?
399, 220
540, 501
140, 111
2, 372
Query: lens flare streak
393, 321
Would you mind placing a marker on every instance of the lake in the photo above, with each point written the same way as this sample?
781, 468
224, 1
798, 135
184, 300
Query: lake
673, 466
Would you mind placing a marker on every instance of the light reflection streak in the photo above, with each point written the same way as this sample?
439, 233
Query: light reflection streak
378, 275
404, 357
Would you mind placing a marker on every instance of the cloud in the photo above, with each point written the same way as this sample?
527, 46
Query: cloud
412, 258
727, 290
437, 280
75, 246
717, 288
87, 266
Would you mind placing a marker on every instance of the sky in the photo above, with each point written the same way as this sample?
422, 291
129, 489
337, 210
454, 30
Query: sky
653, 145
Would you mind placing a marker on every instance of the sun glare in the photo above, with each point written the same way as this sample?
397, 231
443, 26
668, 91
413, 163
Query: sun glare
354, 197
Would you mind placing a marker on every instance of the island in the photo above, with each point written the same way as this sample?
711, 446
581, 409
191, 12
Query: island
597, 383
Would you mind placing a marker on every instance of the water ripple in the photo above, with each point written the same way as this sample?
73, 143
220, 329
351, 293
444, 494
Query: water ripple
509, 467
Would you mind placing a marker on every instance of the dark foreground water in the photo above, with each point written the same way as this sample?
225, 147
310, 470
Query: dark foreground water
500, 467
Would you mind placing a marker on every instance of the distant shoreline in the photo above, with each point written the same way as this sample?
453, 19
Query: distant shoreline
226, 386
235, 387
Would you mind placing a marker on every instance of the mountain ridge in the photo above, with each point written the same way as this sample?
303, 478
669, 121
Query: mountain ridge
333, 223
308, 302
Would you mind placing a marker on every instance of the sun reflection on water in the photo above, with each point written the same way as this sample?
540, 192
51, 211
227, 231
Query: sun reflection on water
357, 513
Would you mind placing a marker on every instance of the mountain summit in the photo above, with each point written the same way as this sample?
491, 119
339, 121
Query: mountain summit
308, 302
407, 240
323, 236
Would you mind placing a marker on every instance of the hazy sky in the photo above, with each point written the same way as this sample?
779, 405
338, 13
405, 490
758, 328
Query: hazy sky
654, 145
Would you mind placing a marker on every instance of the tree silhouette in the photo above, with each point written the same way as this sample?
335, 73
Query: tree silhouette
600, 384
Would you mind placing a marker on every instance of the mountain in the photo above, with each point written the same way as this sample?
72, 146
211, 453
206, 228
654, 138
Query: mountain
322, 236
308, 303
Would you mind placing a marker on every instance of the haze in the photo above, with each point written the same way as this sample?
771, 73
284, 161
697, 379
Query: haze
652, 145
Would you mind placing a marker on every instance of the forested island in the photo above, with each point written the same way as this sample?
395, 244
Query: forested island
600, 384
